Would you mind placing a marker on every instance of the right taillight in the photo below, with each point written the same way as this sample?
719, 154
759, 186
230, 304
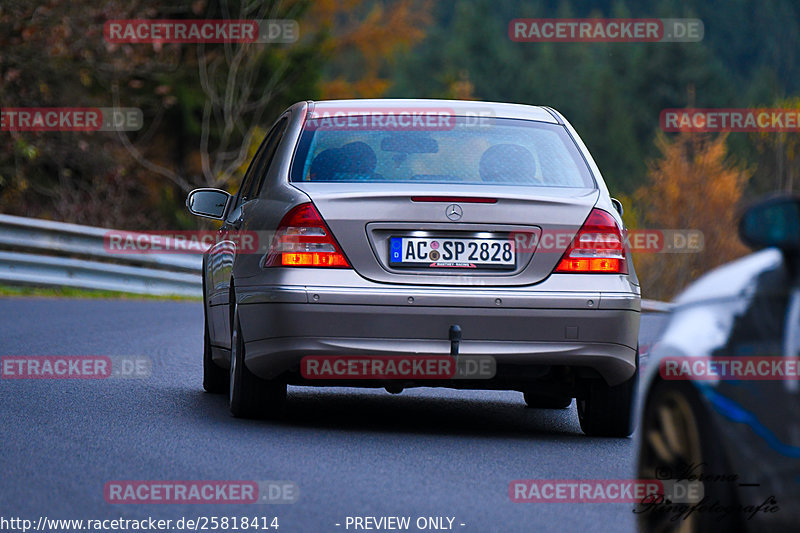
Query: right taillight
304, 240
597, 248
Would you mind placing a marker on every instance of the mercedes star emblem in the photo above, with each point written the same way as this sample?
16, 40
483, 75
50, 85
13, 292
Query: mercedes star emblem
453, 212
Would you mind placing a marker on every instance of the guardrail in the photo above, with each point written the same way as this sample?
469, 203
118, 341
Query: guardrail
92, 266
47, 253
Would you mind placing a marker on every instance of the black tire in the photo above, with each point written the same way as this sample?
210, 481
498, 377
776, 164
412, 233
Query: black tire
676, 423
250, 396
215, 378
605, 411
542, 401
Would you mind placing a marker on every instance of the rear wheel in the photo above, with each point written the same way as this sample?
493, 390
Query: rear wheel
543, 401
605, 411
250, 396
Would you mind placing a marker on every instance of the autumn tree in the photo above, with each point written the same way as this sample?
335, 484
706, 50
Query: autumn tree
779, 153
206, 106
367, 38
202, 105
693, 185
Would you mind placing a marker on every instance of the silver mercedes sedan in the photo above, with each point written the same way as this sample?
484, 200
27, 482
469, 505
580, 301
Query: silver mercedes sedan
405, 243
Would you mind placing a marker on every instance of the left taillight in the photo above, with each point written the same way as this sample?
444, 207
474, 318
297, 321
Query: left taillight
596, 248
304, 240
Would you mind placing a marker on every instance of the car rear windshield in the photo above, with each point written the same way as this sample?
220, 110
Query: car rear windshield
463, 150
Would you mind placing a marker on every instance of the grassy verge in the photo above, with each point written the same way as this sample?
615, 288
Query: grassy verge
71, 292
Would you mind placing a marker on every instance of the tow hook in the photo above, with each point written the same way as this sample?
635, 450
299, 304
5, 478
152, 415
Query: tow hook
455, 338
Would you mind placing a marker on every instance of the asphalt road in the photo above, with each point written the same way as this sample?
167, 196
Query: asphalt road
426, 452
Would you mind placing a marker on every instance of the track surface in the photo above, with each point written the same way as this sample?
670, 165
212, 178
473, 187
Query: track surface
426, 452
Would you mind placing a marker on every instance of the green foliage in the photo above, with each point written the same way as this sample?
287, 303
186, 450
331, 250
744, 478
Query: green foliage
613, 92
8, 291
55, 55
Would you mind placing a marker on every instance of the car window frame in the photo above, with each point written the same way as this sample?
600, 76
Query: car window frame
275, 136
244, 194
248, 175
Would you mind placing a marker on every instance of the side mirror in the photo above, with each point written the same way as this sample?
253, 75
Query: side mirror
772, 222
617, 206
209, 203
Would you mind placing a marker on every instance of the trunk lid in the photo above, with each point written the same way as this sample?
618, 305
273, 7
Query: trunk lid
365, 219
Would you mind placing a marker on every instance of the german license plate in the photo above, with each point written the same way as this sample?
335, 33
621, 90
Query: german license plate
434, 252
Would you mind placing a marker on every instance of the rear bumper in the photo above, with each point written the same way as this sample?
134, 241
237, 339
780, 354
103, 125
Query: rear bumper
519, 328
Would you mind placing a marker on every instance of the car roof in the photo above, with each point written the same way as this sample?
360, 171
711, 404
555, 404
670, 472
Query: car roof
459, 107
